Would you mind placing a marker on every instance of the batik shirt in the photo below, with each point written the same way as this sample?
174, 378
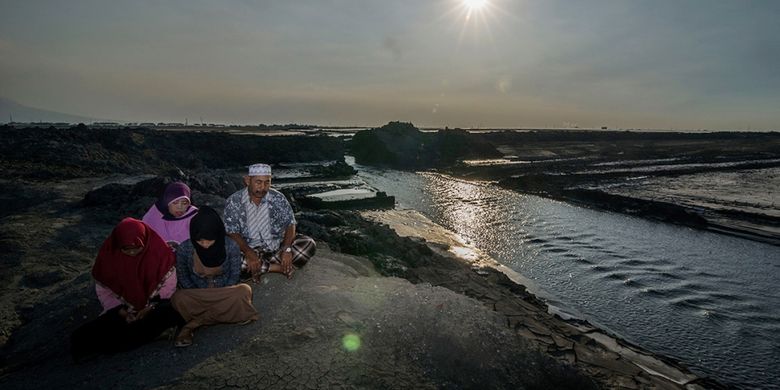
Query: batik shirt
273, 206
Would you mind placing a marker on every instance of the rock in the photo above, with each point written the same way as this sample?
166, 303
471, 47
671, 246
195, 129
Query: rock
339, 169
17, 197
215, 201
109, 194
379, 200
403, 146
607, 360
81, 151
312, 229
42, 279
324, 218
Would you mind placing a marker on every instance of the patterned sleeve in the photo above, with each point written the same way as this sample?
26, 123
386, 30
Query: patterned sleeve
287, 211
233, 254
233, 215
169, 286
183, 268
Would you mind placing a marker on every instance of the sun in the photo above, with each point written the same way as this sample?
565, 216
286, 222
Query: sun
475, 5
475, 16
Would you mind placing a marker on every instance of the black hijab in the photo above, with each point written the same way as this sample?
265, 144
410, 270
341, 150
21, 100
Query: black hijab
207, 225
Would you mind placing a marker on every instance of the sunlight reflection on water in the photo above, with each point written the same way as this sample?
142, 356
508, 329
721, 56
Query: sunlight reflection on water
706, 299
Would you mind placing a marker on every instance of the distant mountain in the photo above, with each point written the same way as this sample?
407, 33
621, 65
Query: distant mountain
22, 113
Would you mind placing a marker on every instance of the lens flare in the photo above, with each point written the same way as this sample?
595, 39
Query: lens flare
351, 342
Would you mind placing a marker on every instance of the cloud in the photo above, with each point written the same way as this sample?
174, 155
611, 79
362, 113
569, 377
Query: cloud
701, 63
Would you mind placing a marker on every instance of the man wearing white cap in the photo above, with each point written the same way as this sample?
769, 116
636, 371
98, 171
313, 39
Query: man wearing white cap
261, 221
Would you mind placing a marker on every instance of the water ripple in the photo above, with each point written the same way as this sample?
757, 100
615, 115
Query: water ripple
707, 299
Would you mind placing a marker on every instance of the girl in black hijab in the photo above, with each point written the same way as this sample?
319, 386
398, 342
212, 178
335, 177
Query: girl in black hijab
208, 266
204, 229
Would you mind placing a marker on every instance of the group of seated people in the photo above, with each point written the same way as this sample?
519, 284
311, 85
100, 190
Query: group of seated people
180, 266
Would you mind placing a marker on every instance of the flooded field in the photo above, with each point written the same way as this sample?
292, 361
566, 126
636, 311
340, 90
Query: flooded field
754, 190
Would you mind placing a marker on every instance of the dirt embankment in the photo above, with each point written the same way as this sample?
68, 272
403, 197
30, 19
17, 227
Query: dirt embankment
32, 153
412, 335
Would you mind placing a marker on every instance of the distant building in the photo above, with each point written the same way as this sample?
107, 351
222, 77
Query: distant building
105, 125
40, 125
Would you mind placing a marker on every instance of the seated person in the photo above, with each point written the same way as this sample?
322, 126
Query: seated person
170, 215
261, 221
208, 267
134, 278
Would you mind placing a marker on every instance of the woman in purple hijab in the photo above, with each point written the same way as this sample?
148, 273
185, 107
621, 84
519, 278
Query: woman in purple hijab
170, 215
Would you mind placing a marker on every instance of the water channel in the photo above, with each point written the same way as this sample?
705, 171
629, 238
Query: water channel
708, 300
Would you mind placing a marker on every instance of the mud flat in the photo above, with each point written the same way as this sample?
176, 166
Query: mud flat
723, 182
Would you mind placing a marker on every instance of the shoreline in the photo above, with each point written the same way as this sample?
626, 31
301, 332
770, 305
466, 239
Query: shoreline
585, 192
572, 339
679, 215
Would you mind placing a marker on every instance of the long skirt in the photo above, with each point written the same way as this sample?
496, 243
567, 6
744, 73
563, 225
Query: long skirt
207, 306
110, 333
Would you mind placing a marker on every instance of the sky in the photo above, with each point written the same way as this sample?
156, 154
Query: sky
653, 64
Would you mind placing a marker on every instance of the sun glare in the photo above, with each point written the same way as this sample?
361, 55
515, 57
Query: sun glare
475, 8
476, 18
475, 5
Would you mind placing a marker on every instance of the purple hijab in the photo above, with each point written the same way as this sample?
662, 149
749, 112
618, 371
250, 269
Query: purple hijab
175, 191
170, 228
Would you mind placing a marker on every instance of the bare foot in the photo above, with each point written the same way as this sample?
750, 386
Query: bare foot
184, 338
277, 268
256, 277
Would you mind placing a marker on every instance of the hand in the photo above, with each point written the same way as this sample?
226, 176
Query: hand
141, 314
252, 261
287, 267
128, 314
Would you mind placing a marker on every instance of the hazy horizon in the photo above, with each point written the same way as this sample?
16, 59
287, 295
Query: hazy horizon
642, 64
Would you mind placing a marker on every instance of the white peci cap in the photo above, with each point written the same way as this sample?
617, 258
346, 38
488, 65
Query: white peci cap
259, 170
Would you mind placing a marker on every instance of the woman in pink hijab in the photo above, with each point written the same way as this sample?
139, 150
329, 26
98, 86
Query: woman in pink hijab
170, 215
